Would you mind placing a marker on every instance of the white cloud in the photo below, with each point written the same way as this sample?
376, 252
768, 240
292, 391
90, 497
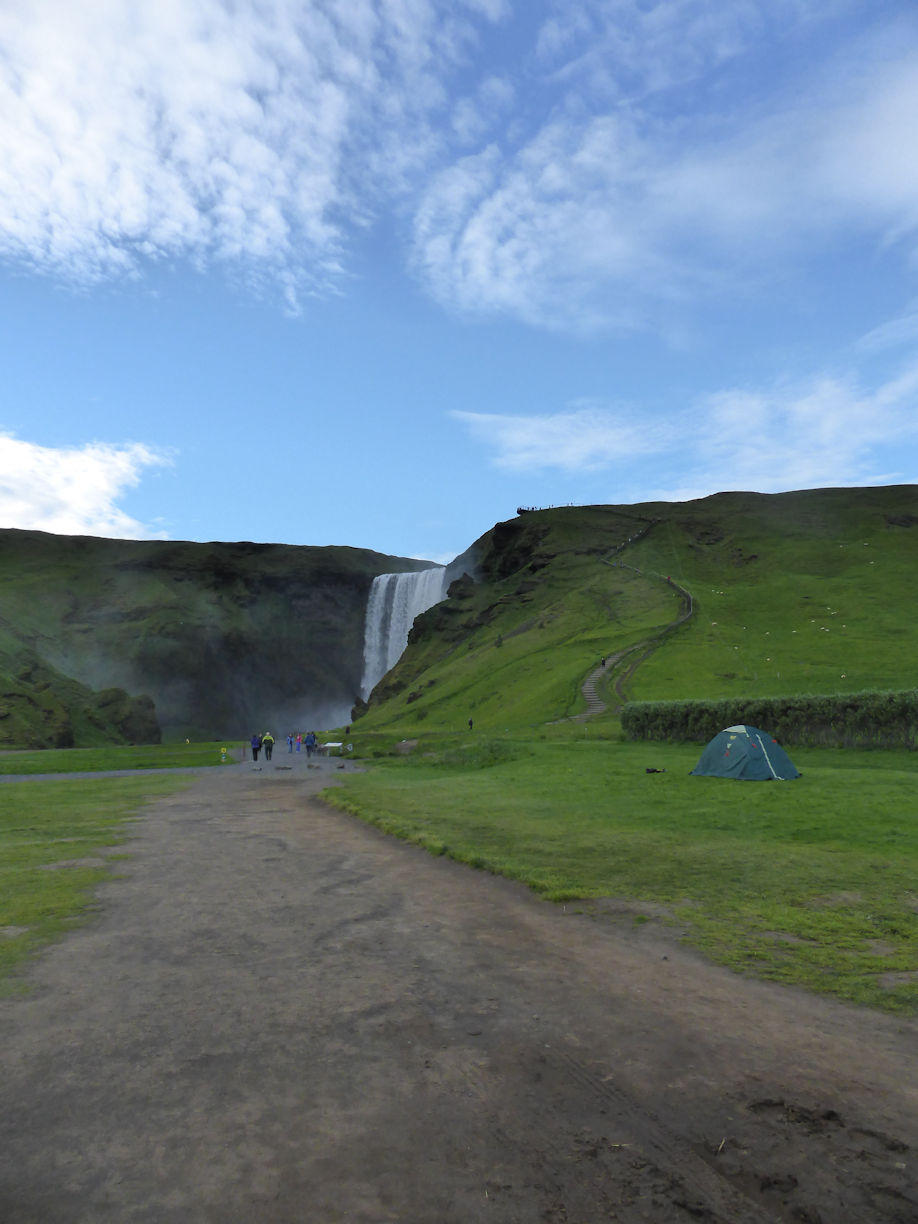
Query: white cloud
473, 117
581, 439
828, 430
861, 161
72, 490
622, 47
609, 215
618, 165
252, 132
894, 333
545, 235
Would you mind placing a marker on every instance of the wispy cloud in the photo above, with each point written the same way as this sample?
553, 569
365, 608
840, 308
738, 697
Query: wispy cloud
622, 49
475, 116
72, 490
829, 430
622, 162
251, 133
640, 191
583, 438
901, 331
561, 233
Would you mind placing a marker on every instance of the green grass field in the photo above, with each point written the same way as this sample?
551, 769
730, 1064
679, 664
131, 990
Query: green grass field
57, 841
812, 882
91, 760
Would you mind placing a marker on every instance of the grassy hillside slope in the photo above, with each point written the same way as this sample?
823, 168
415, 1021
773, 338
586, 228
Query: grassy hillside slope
790, 593
795, 593
222, 638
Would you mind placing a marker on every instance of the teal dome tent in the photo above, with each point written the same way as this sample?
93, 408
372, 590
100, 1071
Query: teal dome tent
745, 753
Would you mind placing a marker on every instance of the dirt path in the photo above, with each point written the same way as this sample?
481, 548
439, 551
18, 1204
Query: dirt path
622, 664
280, 1015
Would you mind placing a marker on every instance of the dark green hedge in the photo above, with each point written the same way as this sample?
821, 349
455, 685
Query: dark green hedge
840, 720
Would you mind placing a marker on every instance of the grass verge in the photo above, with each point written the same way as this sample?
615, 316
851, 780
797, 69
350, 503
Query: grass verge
810, 882
55, 847
91, 760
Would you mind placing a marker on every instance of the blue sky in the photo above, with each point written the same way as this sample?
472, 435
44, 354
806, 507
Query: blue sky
376, 272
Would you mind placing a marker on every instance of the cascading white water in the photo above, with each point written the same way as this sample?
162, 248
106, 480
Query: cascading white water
395, 600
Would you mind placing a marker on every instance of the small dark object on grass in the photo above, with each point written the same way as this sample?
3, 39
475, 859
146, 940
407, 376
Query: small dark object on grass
655, 771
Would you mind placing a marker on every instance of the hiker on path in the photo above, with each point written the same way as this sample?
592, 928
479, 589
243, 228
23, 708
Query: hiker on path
267, 742
290, 742
256, 744
311, 742
299, 740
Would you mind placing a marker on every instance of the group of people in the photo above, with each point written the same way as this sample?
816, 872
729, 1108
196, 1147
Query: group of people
296, 742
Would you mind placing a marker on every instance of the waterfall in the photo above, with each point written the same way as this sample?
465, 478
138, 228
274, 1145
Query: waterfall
395, 600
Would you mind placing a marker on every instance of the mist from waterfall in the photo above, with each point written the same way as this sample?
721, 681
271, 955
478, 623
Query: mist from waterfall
395, 600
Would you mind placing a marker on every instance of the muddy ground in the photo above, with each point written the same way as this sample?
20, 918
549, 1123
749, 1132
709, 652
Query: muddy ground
279, 1014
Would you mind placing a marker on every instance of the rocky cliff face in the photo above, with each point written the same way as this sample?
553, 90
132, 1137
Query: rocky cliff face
219, 639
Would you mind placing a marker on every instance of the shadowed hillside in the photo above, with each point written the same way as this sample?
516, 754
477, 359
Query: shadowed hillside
734, 595
115, 641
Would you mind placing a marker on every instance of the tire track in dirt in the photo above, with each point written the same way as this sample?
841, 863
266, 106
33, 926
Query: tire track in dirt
694, 1188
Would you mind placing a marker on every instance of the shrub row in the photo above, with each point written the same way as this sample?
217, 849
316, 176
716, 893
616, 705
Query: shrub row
842, 720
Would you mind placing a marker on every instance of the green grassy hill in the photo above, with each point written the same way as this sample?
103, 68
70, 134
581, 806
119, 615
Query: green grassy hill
108, 641
808, 592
